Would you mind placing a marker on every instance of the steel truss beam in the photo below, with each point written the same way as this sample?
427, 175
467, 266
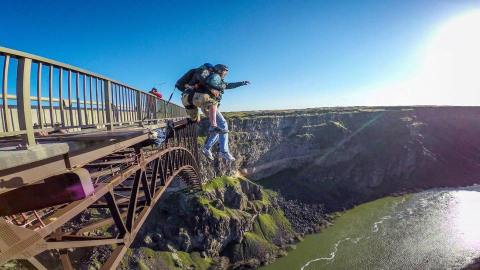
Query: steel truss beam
135, 185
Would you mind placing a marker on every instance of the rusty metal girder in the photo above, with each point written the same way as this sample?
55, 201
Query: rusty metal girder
134, 186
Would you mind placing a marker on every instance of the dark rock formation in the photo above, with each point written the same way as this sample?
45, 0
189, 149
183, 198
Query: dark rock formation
305, 218
231, 223
475, 265
343, 156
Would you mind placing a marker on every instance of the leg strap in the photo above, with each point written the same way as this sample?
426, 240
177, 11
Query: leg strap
190, 97
189, 94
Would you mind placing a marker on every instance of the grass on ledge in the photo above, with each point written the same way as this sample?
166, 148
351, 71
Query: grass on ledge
221, 183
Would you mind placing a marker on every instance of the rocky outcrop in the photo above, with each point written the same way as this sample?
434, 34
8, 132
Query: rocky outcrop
305, 218
343, 156
233, 223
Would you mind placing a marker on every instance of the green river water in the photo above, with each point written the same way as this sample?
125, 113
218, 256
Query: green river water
435, 229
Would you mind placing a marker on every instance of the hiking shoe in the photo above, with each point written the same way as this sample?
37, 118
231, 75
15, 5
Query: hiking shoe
208, 154
217, 130
227, 156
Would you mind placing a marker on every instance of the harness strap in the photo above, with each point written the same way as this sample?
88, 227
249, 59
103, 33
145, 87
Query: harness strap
190, 94
190, 97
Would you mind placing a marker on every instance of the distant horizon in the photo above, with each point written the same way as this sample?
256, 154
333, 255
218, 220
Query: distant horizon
362, 106
275, 109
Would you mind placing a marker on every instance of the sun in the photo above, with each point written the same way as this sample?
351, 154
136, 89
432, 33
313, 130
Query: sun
450, 73
448, 69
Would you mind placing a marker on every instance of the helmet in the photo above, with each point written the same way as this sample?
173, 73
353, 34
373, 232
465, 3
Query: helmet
208, 65
220, 67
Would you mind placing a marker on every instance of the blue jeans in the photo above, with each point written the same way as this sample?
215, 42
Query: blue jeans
221, 138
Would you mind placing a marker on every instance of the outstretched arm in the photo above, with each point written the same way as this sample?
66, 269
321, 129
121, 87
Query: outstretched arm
236, 84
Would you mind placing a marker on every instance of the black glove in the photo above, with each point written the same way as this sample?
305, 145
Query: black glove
245, 82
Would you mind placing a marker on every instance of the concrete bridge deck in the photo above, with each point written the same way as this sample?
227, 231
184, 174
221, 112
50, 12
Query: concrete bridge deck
49, 155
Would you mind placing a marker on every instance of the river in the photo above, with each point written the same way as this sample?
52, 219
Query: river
434, 229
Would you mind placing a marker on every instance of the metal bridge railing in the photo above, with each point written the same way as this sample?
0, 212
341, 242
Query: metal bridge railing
44, 94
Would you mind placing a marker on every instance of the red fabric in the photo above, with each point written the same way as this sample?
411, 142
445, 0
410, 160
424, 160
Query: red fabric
157, 94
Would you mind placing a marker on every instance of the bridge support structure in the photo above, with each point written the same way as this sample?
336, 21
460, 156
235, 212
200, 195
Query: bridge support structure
127, 183
77, 165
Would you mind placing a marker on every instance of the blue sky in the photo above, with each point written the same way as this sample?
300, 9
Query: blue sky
297, 54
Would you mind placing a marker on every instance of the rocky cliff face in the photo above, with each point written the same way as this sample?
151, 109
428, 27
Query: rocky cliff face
233, 223
344, 156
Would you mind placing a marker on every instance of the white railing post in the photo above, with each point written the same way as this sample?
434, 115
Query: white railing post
139, 107
23, 100
108, 105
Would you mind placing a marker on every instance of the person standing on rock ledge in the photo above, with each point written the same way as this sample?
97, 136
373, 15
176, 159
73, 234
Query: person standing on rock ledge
210, 100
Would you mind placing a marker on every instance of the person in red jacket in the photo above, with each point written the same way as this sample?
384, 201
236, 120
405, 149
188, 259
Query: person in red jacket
155, 92
151, 103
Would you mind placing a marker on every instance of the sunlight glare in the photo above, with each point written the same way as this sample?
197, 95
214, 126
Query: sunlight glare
449, 69
452, 64
466, 222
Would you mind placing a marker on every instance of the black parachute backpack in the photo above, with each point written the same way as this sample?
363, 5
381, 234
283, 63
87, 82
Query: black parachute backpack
185, 79
193, 76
